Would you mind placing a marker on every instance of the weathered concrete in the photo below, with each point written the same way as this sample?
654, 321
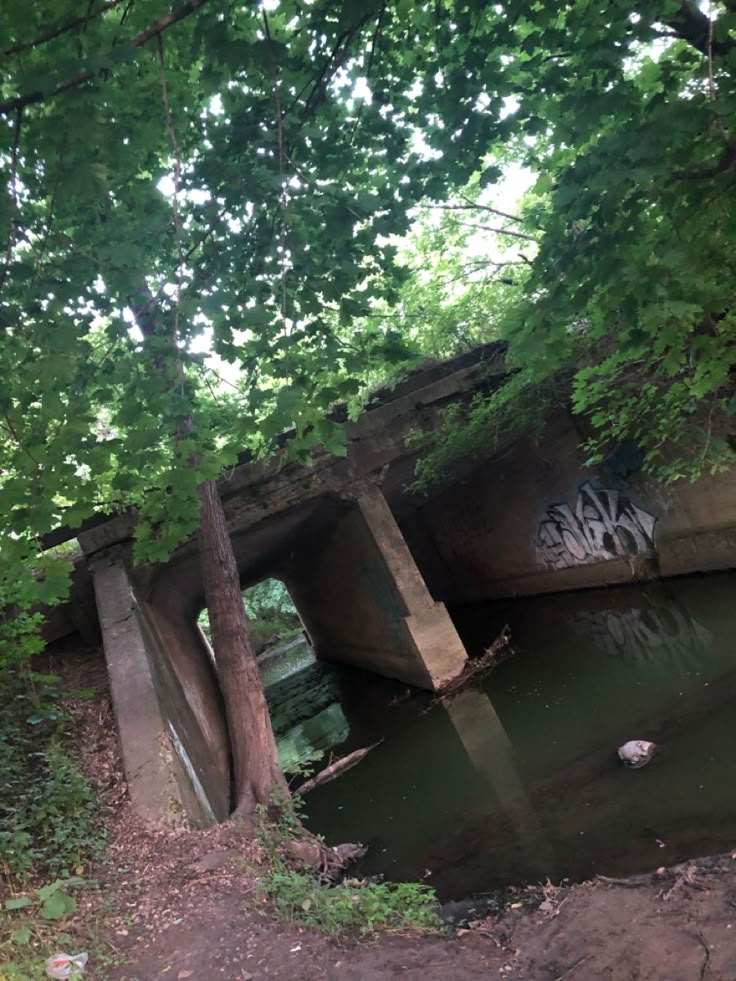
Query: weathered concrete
167, 702
534, 519
144, 737
364, 602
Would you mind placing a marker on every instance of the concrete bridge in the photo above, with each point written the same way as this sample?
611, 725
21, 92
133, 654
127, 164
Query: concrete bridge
370, 567
330, 533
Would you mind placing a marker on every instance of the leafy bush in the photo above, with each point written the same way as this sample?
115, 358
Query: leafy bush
272, 617
47, 808
271, 613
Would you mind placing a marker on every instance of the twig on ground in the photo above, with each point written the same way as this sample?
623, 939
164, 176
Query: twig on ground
706, 948
630, 883
572, 967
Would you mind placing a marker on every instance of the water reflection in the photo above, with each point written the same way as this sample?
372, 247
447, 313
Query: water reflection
645, 633
519, 780
489, 749
319, 734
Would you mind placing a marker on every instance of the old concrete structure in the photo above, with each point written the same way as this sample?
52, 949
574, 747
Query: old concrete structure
370, 566
534, 519
330, 533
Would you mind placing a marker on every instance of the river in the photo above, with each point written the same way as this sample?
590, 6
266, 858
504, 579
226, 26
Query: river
517, 779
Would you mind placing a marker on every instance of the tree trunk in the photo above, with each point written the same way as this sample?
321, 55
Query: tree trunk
258, 777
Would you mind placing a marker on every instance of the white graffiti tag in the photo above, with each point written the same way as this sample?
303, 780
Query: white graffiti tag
604, 525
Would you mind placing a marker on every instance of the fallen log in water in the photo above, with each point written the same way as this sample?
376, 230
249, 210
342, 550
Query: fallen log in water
498, 651
336, 769
327, 863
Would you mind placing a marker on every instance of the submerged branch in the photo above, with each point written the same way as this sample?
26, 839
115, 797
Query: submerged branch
336, 769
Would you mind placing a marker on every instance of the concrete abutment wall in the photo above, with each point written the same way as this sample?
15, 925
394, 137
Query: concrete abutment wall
535, 520
167, 703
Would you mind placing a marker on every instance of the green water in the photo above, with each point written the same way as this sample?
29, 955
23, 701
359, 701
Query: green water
518, 779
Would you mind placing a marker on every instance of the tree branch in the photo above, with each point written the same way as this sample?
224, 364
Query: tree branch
726, 163
58, 29
177, 184
334, 63
692, 25
472, 207
369, 65
158, 27
14, 195
498, 231
19, 442
209, 231
283, 202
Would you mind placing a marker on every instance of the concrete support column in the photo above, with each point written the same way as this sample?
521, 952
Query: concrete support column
364, 602
148, 758
431, 633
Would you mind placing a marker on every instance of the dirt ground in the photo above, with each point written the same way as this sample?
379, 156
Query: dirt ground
182, 904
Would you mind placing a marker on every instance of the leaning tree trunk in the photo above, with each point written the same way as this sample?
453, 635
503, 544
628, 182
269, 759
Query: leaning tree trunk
258, 777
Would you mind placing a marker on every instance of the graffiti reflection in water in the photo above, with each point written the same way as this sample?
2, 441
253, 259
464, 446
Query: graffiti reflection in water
644, 634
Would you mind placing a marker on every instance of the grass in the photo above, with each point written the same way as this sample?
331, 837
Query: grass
356, 905
353, 905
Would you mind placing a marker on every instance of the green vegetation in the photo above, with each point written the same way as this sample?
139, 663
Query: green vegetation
295, 145
362, 905
271, 613
50, 828
272, 617
48, 811
298, 897
611, 277
183, 284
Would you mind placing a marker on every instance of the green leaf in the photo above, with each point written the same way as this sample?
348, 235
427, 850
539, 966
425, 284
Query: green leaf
20, 902
57, 906
22, 935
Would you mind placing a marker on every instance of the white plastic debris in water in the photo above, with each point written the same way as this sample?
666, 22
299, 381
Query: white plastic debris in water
636, 753
66, 965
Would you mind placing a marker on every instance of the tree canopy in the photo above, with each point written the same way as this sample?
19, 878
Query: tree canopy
231, 177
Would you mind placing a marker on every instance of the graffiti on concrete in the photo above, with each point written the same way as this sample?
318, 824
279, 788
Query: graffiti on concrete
604, 524
642, 634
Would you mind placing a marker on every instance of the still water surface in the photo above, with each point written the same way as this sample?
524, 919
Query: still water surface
517, 779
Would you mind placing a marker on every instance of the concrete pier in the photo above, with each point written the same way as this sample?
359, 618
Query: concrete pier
364, 602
